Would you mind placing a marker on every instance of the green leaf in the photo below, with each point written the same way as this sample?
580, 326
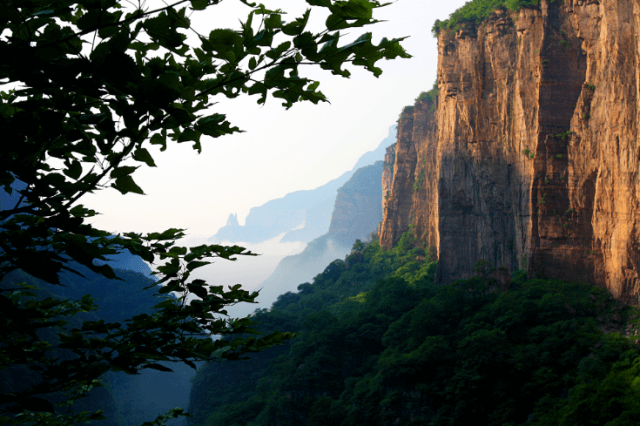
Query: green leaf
74, 170
199, 4
323, 3
353, 9
196, 264
158, 367
166, 289
159, 139
199, 291
81, 211
274, 21
221, 41
211, 125
283, 47
122, 171
169, 234
297, 27
336, 22
125, 184
189, 134
97, 415
143, 155
171, 80
178, 250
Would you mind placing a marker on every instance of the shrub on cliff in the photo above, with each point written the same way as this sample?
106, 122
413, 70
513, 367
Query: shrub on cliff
476, 11
406, 111
429, 96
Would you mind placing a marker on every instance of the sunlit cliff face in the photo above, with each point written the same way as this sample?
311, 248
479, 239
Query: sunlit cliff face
530, 159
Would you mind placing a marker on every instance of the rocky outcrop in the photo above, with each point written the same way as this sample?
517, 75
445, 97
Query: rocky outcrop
387, 173
397, 204
531, 158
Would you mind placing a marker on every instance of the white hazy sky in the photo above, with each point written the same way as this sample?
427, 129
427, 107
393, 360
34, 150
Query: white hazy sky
281, 151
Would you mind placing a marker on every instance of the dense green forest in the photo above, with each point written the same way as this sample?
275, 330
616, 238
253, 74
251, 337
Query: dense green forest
379, 344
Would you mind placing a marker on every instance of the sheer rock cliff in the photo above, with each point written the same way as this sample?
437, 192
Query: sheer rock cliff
529, 157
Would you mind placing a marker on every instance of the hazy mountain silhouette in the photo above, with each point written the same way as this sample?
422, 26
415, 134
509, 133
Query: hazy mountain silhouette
356, 214
302, 215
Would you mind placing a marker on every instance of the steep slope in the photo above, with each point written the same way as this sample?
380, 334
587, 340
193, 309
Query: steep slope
356, 214
302, 215
531, 158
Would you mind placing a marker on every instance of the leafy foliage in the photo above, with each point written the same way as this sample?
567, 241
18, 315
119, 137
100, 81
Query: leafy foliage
88, 100
429, 96
342, 286
407, 110
405, 351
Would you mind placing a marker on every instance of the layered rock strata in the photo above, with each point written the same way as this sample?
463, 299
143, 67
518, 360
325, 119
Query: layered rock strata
530, 159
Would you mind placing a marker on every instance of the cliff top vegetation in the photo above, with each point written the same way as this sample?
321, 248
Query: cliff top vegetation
430, 95
476, 11
405, 111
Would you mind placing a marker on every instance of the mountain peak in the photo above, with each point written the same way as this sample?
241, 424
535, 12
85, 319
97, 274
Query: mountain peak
233, 220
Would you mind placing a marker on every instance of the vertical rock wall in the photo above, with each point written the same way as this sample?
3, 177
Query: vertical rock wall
397, 205
387, 173
531, 158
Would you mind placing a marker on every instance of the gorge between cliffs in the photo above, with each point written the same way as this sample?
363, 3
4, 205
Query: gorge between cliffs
528, 155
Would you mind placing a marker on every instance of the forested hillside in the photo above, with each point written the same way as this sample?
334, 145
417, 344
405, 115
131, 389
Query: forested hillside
379, 344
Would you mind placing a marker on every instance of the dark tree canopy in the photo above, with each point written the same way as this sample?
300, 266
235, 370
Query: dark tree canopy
88, 86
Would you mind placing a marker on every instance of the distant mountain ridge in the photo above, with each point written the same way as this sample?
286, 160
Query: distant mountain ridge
356, 214
301, 215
